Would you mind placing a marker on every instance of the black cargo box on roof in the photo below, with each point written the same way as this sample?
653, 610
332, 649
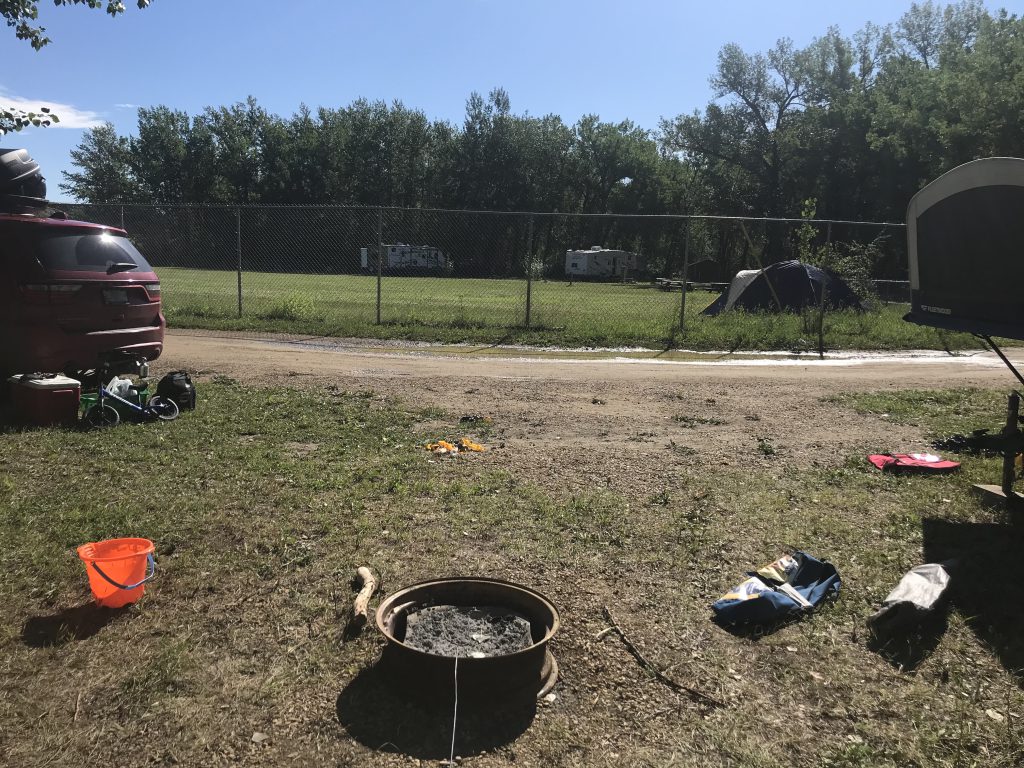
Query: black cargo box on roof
965, 239
22, 186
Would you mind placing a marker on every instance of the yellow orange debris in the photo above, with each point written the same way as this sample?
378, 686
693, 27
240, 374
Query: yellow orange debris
442, 446
445, 447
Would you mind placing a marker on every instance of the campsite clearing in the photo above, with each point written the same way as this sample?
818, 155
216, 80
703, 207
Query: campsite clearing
640, 486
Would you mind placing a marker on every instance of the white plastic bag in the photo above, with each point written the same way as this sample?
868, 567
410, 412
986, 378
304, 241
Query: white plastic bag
119, 387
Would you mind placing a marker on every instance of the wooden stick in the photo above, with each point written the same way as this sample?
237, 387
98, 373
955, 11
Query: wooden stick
693, 693
360, 606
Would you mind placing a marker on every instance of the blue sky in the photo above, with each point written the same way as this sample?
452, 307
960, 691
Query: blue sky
636, 59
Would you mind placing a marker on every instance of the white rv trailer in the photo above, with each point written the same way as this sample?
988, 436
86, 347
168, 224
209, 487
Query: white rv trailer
601, 262
401, 256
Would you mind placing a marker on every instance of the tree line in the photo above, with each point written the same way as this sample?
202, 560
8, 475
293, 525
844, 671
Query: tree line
856, 125
374, 153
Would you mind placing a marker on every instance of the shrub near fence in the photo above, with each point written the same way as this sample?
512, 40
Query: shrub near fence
455, 276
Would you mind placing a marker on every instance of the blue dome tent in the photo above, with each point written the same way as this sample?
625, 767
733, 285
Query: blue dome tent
788, 286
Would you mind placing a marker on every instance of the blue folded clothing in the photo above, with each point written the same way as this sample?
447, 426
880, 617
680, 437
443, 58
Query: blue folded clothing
792, 585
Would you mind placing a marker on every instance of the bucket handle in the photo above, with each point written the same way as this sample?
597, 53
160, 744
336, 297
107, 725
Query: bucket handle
152, 573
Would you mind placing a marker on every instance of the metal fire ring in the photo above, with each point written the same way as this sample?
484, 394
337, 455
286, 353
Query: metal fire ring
531, 672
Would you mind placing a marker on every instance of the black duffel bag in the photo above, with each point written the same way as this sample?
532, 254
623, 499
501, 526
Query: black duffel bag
178, 386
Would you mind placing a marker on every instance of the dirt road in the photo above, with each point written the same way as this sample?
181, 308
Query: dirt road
234, 353
629, 423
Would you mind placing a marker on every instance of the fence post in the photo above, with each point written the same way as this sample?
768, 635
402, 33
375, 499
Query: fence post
529, 269
686, 276
380, 256
122, 216
238, 254
824, 290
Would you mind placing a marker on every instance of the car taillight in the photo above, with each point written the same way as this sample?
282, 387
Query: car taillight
49, 293
153, 289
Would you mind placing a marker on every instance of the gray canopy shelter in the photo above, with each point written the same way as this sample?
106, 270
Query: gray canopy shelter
965, 240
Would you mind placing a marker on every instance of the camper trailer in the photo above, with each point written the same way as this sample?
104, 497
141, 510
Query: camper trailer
401, 257
598, 263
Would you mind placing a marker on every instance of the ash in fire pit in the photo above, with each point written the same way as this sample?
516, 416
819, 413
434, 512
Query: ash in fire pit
454, 630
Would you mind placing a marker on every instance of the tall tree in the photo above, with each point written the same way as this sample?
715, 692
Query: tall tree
752, 132
240, 135
105, 173
160, 155
611, 160
920, 31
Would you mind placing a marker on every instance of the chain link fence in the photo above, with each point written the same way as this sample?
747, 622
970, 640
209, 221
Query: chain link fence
554, 278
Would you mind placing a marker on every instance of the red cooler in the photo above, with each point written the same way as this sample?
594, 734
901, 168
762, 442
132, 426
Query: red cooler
40, 399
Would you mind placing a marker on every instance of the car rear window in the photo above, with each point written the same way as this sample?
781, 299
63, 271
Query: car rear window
88, 252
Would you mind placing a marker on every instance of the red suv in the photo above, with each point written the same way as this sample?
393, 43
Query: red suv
71, 293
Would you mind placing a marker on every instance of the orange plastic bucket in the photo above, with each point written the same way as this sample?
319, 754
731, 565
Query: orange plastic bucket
117, 569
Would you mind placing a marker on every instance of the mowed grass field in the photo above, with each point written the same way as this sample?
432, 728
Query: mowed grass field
263, 501
478, 310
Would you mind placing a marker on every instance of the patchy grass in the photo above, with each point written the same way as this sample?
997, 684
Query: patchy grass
478, 310
938, 411
264, 501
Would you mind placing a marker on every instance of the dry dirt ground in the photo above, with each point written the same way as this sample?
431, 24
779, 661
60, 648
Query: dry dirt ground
629, 424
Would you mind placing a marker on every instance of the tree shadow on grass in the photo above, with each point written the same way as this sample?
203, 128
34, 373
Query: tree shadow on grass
985, 586
78, 623
384, 715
